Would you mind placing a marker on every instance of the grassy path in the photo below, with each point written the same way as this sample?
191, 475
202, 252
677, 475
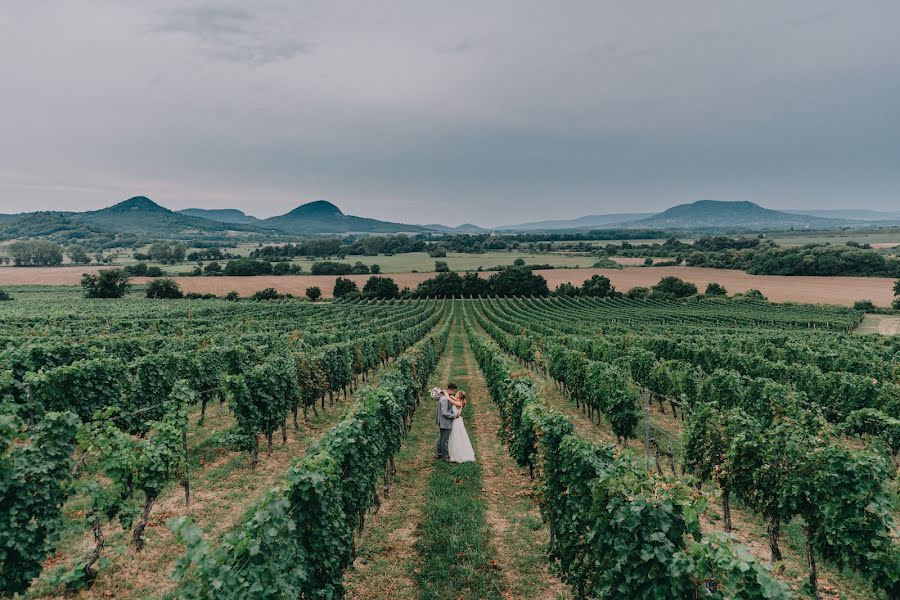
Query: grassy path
387, 560
454, 543
455, 531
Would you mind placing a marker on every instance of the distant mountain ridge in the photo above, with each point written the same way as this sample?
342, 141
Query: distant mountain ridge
322, 216
852, 214
222, 215
585, 222
141, 215
464, 228
721, 214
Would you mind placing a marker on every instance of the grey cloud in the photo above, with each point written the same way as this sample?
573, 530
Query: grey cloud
235, 34
428, 111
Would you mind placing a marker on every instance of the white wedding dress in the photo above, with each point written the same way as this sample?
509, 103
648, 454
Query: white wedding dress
459, 446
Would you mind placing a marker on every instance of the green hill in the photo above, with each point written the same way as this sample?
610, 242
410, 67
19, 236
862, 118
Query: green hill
222, 215
719, 214
141, 215
324, 217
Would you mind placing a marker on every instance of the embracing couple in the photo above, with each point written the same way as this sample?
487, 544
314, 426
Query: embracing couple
453, 442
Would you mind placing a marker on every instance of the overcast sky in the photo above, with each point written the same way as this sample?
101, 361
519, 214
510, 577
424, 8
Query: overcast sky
486, 112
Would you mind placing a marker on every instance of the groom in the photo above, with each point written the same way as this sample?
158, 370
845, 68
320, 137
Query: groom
444, 420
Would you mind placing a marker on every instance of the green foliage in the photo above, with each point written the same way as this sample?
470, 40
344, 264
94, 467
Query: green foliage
166, 252
5, 296
344, 287
98, 383
566, 289
638, 293
517, 281
299, 539
672, 287
752, 294
313, 293
78, 255
381, 287
715, 289
614, 532
142, 270
598, 286
334, 268
440, 266
108, 283
873, 422
247, 267
164, 289
267, 294
864, 305
35, 467
35, 252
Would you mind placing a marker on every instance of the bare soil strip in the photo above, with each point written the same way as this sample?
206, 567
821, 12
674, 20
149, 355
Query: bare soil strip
880, 324
778, 288
518, 531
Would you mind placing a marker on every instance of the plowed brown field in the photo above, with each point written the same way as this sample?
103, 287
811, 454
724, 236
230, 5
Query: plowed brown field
822, 290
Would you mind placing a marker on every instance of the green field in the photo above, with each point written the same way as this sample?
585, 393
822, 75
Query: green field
620, 408
423, 263
863, 236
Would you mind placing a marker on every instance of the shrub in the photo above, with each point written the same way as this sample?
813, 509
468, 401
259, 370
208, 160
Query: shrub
344, 287
441, 266
715, 289
108, 283
164, 289
864, 305
437, 252
246, 267
327, 267
566, 289
374, 269
648, 262
519, 262
78, 255
638, 293
313, 293
517, 281
267, 294
672, 287
36, 253
232, 296
4, 296
212, 268
281, 268
598, 286
381, 287
752, 294
442, 285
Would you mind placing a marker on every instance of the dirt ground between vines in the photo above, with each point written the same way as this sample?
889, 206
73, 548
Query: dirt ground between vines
827, 290
883, 324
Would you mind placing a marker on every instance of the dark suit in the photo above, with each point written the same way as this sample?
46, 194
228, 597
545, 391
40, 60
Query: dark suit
443, 418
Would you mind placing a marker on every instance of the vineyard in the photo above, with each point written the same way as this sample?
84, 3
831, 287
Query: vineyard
283, 449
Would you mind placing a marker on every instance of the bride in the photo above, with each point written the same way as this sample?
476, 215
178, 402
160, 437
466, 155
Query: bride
459, 446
